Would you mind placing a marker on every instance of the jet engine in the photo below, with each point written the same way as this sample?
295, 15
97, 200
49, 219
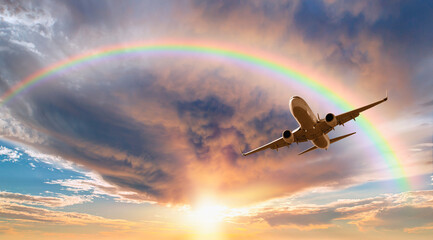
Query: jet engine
288, 136
331, 120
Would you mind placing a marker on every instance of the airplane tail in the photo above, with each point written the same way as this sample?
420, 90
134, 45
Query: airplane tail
331, 141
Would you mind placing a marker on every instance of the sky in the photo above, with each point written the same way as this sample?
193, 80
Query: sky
146, 144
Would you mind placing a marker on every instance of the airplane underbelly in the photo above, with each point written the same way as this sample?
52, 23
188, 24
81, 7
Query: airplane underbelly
303, 118
322, 141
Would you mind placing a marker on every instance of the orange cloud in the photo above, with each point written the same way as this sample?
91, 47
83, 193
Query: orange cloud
34, 214
410, 212
59, 201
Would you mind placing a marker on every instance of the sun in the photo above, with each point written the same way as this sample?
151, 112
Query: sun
209, 213
206, 218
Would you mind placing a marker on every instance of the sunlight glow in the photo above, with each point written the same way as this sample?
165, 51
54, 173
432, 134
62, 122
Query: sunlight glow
207, 216
206, 219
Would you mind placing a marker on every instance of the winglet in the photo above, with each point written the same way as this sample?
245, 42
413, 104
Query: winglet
240, 150
386, 97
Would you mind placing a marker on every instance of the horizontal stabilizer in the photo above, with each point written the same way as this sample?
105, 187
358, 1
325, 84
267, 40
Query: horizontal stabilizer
331, 141
341, 137
310, 149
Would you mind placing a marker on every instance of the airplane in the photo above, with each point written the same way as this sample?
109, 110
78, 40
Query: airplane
312, 128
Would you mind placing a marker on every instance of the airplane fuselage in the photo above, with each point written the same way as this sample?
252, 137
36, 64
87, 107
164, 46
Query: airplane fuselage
307, 122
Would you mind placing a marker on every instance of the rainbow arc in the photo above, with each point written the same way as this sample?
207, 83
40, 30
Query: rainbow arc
251, 57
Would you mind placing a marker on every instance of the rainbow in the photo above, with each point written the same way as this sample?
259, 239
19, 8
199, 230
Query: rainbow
252, 57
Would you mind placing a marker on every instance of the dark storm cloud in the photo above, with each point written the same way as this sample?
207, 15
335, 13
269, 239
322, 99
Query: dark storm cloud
221, 9
113, 20
407, 27
95, 15
68, 115
92, 11
211, 109
272, 122
140, 185
84, 120
317, 24
402, 26
90, 127
202, 117
17, 63
218, 9
337, 29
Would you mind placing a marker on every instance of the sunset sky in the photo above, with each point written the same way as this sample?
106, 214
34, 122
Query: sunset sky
126, 119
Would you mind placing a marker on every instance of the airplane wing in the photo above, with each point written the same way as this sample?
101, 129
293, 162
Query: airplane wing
277, 143
345, 117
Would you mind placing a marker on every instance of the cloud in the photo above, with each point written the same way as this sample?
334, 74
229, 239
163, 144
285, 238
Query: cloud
358, 43
9, 155
409, 212
427, 104
393, 24
169, 128
53, 202
202, 118
155, 137
314, 219
98, 188
27, 45
422, 147
33, 214
55, 161
6, 230
401, 217
23, 13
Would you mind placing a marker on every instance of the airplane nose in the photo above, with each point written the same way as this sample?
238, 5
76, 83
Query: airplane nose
296, 100
293, 100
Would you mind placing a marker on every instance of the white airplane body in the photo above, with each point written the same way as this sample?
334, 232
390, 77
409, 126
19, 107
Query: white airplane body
312, 128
